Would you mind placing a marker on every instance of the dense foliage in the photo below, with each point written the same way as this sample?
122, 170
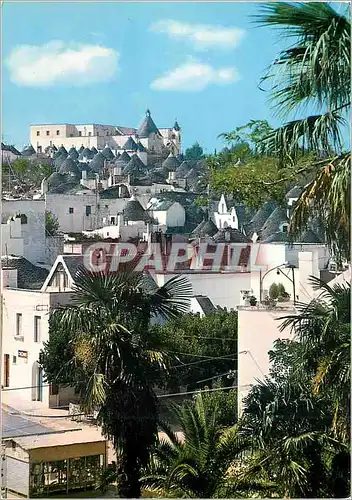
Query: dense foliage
196, 465
202, 349
52, 225
23, 175
194, 152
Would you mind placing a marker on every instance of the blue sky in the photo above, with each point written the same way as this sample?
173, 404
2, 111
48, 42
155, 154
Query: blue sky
107, 62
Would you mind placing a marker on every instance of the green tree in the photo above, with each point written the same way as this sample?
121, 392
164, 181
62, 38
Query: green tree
196, 466
21, 166
52, 225
109, 358
281, 289
314, 71
246, 139
204, 349
274, 291
194, 152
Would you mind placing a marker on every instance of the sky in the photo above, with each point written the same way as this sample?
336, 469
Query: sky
107, 63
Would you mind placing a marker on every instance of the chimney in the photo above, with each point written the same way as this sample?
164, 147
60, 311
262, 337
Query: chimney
84, 175
8, 277
227, 235
308, 265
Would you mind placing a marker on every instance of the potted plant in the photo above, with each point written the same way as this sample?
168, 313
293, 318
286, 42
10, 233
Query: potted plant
283, 297
274, 291
269, 302
252, 300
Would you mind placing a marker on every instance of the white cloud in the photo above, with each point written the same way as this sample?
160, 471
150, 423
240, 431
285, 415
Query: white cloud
202, 36
57, 62
195, 76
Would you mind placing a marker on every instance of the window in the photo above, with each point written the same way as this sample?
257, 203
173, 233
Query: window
14, 359
39, 149
18, 324
70, 210
38, 133
285, 228
48, 132
37, 322
90, 133
80, 133
71, 135
88, 210
112, 220
58, 132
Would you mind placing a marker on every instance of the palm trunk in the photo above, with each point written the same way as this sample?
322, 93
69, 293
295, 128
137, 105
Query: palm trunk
129, 475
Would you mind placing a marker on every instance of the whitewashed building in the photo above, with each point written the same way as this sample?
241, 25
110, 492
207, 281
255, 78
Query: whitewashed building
167, 212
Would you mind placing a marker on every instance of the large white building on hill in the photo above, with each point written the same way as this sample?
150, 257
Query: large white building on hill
148, 136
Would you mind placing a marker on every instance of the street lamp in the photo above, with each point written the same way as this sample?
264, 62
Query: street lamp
286, 265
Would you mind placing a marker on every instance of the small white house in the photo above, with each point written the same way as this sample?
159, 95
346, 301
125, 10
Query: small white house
167, 213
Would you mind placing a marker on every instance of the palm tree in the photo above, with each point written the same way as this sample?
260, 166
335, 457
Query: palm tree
314, 71
322, 329
110, 359
203, 462
289, 427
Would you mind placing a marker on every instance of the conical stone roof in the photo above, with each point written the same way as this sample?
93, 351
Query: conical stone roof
135, 166
134, 211
62, 149
171, 164
86, 153
130, 145
98, 162
28, 151
147, 127
125, 157
73, 153
107, 153
69, 167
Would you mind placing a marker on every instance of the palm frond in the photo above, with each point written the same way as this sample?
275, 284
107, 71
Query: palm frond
316, 68
329, 196
172, 298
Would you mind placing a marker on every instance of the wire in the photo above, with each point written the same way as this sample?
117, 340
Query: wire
197, 391
216, 376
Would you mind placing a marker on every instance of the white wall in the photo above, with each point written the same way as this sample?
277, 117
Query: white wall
30, 304
174, 216
257, 331
33, 232
223, 289
11, 238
